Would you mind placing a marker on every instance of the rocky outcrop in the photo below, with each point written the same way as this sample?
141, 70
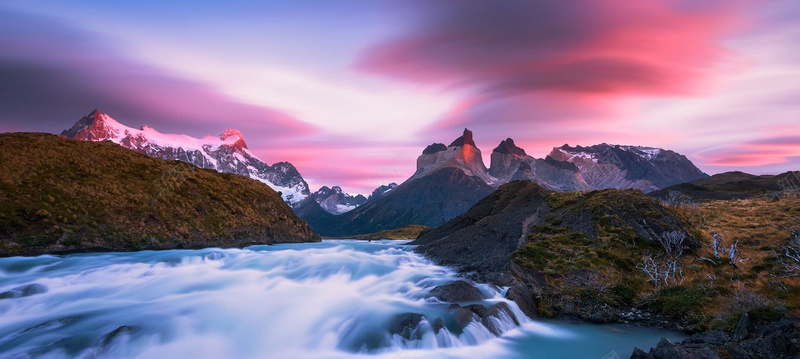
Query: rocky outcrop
461, 154
61, 195
226, 153
780, 339
483, 238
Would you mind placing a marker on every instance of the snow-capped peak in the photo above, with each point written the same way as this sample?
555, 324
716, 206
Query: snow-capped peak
236, 136
224, 153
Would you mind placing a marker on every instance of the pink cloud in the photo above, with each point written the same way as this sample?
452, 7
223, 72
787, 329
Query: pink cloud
761, 152
659, 47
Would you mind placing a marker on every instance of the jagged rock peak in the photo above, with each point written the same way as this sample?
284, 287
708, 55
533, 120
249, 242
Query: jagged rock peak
327, 191
433, 148
234, 133
381, 190
466, 138
224, 153
94, 126
508, 147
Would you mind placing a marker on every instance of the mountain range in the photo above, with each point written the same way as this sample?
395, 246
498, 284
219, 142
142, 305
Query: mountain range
449, 179
452, 178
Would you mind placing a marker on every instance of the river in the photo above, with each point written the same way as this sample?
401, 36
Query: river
334, 299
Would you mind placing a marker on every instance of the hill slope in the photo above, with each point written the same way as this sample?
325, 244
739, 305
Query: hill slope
429, 201
733, 185
484, 238
62, 195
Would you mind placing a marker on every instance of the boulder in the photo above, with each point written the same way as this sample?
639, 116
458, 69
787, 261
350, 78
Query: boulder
406, 325
523, 296
457, 292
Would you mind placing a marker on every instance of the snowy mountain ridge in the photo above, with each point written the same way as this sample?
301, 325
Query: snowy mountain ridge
227, 152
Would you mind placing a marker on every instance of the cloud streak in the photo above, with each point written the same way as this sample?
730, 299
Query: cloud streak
508, 47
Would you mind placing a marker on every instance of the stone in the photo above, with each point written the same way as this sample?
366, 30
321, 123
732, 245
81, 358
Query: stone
458, 291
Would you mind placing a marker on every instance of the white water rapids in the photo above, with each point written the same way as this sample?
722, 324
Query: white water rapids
335, 299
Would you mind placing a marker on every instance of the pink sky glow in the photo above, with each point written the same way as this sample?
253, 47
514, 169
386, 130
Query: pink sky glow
350, 92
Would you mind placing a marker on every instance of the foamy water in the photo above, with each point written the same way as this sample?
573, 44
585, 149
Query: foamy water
335, 299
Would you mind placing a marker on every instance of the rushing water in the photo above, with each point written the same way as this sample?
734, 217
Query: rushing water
334, 299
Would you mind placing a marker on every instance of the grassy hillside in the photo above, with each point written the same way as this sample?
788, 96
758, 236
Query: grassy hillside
619, 255
731, 185
581, 277
61, 195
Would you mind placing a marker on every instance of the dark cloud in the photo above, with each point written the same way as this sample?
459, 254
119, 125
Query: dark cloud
53, 74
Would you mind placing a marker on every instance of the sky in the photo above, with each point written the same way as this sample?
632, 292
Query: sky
351, 91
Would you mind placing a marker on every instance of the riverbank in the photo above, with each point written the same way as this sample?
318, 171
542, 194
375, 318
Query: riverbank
618, 256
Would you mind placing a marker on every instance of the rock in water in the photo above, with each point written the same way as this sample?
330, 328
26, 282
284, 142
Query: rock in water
24, 291
406, 325
457, 292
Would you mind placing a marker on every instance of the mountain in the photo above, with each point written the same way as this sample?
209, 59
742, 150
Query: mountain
60, 195
334, 201
226, 153
511, 163
448, 180
461, 154
614, 166
381, 190
484, 238
731, 185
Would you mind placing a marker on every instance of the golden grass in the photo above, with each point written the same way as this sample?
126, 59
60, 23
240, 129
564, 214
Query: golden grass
762, 227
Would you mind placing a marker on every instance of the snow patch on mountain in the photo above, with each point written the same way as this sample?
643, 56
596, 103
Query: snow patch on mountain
227, 152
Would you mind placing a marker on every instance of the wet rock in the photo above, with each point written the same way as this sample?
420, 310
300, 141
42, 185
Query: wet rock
462, 318
522, 295
776, 340
666, 349
458, 291
115, 335
602, 314
478, 309
406, 325
498, 311
437, 325
716, 338
502, 307
24, 291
